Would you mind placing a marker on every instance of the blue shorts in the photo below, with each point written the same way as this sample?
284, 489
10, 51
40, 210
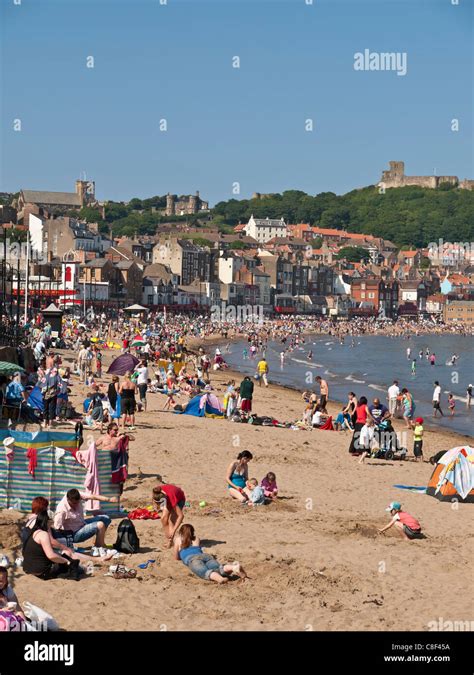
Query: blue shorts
90, 528
203, 565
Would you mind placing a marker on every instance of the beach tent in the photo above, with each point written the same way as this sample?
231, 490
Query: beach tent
203, 405
136, 308
453, 477
43, 465
122, 364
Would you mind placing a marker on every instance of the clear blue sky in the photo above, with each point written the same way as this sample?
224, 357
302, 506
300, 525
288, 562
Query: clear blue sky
229, 125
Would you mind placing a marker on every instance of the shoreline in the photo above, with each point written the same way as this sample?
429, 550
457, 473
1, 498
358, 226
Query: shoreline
334, 405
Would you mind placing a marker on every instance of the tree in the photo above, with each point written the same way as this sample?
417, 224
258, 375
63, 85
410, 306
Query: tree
238, 245
90, 214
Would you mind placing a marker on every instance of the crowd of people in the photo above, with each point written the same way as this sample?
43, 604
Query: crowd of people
169, 363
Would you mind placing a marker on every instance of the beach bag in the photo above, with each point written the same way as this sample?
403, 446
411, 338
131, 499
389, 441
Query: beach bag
39, 617
50, 392
127, 538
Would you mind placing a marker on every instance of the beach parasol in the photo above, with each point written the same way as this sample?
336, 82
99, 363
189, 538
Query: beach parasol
138, 341
136, 308
7, 368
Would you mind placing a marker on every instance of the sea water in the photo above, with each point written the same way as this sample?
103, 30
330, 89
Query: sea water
369, 367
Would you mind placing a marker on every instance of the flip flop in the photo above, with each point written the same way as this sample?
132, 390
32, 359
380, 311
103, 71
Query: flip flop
144, 566
122, 572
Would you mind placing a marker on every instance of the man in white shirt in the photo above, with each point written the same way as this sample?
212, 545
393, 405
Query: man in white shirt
84, 360
142, 381
436, 400
39, 350
393, 394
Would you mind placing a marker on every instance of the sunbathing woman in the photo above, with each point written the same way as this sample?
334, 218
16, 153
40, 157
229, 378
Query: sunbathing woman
187, 548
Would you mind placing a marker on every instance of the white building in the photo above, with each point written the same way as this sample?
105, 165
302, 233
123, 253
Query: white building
264, 229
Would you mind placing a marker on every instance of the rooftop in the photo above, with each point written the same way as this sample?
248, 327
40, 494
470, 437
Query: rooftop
40, 197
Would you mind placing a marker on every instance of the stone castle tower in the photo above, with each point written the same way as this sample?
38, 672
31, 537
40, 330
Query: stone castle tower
185, 205
86, 191
395, 177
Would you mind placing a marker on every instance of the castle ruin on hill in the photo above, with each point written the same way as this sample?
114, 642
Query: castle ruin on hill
395, 177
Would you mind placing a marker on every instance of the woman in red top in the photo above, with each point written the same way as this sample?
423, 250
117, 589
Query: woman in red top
171, 499
362, 413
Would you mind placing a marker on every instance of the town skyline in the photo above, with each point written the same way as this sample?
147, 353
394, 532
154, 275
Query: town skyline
144, 110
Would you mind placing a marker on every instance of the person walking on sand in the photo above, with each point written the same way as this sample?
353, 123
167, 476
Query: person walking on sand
187, 548
409, 527
262, 370
437, 400
408, 406
127, 393
323, 394
393, 394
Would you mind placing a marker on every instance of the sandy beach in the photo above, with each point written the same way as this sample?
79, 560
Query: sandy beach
314, 558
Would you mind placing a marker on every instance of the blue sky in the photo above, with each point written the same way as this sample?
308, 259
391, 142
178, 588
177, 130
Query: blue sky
229, 125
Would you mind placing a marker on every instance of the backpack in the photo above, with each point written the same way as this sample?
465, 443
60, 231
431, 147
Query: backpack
127, 538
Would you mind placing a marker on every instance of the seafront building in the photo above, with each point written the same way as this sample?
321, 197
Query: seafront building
283, 268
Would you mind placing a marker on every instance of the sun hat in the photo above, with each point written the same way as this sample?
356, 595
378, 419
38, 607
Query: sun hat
9, 441
394, 506
419, 420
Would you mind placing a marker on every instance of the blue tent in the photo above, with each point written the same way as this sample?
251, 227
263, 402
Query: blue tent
193, 408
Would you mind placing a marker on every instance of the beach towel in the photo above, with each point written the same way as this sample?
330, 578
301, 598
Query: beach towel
327, 426
88, 459
116, 413
412, 488
33, 460
120, 461
143, 514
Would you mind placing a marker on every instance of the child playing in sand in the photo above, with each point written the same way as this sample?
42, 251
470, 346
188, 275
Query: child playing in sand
255, 493
451, 404
418, 439
270, 488
409, 527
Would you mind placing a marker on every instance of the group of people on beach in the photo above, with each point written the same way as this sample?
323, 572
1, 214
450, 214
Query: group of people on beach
49, 545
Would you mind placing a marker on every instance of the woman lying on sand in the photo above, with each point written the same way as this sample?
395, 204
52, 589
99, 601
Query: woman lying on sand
237, 476
187, 548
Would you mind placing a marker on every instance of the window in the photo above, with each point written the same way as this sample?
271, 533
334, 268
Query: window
362, 295
371, 295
